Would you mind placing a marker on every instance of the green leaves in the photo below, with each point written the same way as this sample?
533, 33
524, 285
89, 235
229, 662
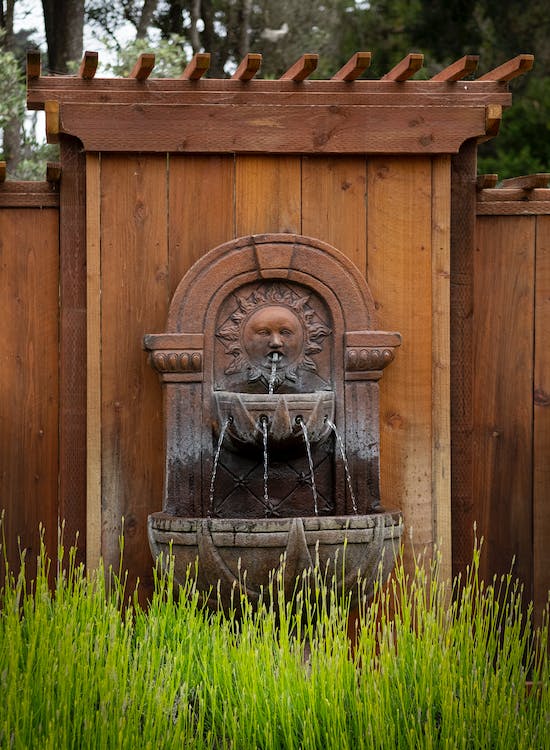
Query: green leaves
432, 665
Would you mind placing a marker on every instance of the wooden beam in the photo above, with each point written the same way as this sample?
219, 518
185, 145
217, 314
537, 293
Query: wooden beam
271, 128
88, 66
354, 67
53, 171
406, 68
52, 121
248, 67
197, 67
502, 194
486, 181
458, 70
301, 69
511, 69
33, 65
528, 182
2, 171
143, 67
493, 118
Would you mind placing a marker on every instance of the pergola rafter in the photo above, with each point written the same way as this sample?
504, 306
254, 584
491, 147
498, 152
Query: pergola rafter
294, 114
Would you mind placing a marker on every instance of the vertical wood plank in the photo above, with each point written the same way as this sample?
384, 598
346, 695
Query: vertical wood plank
463, 216
267, 194
334, 204
201, 209
134, 293
72, 345
541, 447
29, 383
441, 375
93, 369
503, 392
400, 277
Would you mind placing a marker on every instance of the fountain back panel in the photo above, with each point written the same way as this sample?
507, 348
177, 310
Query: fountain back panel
271, 362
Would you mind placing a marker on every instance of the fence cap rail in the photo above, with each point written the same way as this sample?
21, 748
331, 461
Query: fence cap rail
524, 195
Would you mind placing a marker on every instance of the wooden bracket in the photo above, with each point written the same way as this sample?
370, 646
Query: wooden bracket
88, 66
248, 67
33, 65
51, 109
458, 70
53, 171
354, 67
493, 118
406, 68
197, 67
301, 69
143, 67
511, 69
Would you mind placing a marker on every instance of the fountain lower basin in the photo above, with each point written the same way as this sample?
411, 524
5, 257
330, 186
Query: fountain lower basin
346, 546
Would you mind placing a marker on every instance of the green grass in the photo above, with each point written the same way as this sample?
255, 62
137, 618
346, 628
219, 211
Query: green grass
82, 665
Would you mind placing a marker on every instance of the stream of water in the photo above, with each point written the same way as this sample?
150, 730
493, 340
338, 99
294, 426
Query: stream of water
310, 459
215, 464
345, 460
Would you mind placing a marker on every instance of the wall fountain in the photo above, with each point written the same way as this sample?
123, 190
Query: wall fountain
270, 368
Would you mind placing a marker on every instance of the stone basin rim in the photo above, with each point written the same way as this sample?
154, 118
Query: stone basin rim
165, 521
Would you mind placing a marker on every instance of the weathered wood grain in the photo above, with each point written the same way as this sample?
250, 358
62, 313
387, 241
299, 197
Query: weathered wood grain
267, 195
72, 345
503, 393
29, 385
269, 128
93, 361
541, 443
400, 277
441, 363
201, 209
463, 206
134, 301
334, 206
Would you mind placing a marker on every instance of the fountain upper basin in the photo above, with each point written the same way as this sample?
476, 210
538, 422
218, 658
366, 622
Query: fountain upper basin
243, 413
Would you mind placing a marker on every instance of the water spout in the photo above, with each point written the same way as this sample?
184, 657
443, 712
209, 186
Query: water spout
302, 424
345, 460
274, 359
226, 423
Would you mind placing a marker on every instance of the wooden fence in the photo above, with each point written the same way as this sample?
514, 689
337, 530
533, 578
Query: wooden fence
29, 368
81, 412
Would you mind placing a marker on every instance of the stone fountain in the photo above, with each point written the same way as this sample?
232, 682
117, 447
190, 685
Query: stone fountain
270, 368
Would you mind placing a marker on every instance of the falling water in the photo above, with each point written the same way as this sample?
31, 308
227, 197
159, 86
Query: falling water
274, 360
302, 424
267, 504
216, 461
345, 460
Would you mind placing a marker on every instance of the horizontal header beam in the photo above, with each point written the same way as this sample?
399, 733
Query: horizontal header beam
307, 129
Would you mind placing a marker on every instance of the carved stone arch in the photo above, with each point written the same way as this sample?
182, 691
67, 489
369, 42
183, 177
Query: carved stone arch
282, 256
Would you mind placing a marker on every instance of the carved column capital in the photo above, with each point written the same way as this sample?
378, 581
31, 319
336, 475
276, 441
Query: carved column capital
367, 353
176, 357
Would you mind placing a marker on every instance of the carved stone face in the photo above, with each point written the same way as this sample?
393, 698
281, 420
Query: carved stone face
270, 331
272, 323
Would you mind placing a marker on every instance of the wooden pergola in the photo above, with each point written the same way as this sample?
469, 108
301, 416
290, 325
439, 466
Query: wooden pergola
155, 172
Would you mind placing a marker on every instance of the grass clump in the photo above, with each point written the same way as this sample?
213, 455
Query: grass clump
84, 666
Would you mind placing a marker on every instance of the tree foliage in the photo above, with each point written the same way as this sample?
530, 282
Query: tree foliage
282, 30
